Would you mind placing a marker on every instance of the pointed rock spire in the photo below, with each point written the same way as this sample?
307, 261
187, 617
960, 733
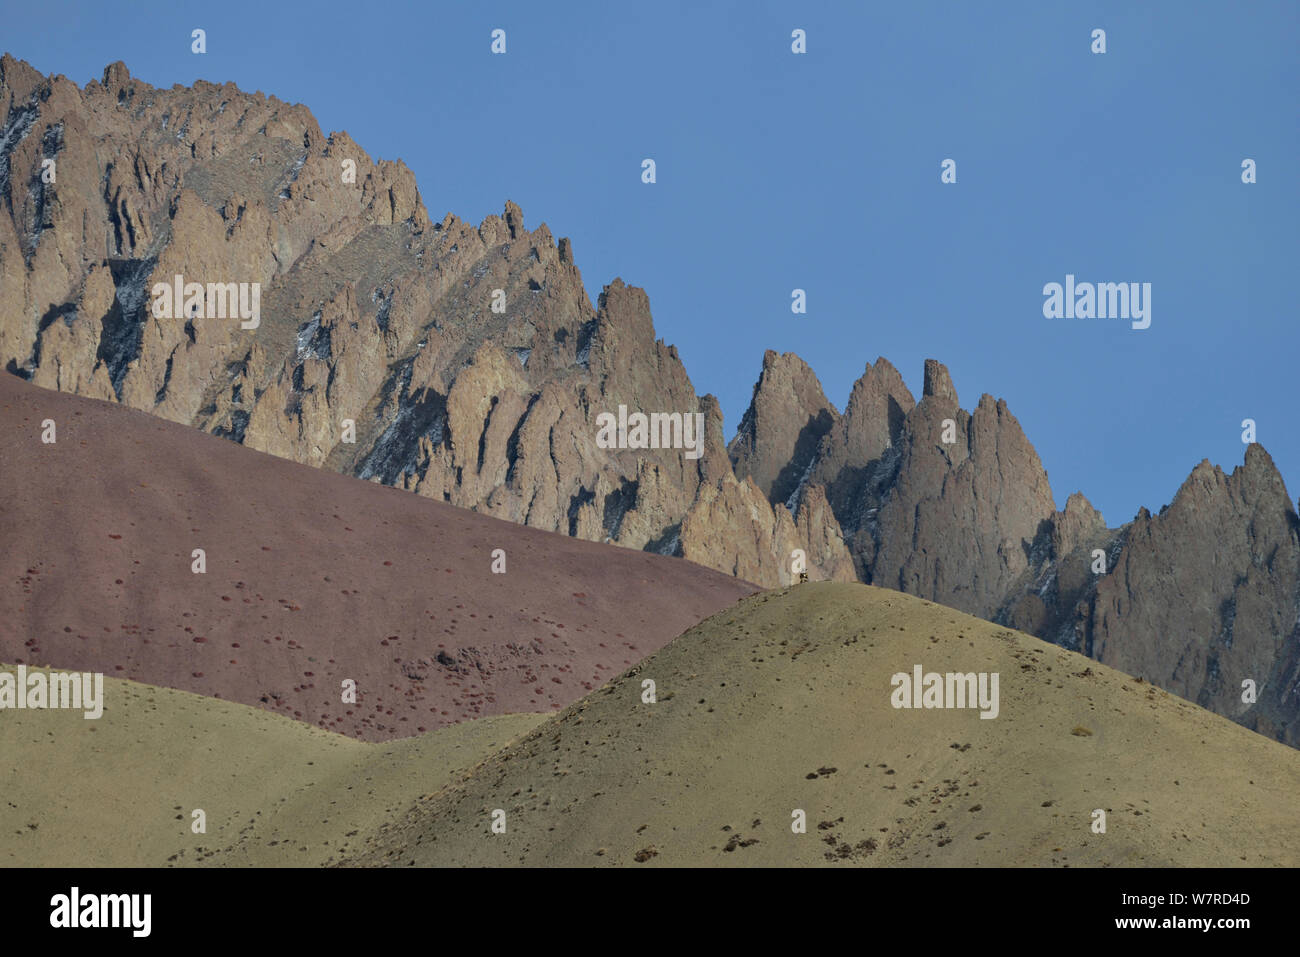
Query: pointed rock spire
779, 434
938, 382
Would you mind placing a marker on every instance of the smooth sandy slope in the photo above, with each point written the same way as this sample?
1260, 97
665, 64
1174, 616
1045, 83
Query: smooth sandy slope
783, 703
780, 703
120, 790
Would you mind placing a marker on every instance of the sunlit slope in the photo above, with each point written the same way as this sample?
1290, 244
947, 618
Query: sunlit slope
783, 703
120, 790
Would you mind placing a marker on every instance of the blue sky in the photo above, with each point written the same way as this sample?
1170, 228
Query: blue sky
822, 172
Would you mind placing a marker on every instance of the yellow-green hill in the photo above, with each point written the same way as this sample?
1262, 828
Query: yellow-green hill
783, 704
120, 790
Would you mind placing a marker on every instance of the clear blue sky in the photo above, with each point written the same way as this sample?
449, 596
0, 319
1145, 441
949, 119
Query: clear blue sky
821, 171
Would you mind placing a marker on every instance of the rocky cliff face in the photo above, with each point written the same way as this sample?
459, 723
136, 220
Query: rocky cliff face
956, 507
1217, 574
783, 427
1202, 599
467, 364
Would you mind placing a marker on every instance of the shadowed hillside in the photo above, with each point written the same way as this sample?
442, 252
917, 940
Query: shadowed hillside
312, 579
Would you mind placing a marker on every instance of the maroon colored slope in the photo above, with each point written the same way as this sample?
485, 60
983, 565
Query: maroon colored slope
312, 578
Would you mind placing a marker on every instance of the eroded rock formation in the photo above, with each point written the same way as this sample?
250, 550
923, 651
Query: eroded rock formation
467, 364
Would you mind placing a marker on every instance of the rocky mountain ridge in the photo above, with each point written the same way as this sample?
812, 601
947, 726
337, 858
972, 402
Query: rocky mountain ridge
467, 364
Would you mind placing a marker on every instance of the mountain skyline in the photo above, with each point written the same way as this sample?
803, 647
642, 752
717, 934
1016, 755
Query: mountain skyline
467, 365
833, 186
749, 434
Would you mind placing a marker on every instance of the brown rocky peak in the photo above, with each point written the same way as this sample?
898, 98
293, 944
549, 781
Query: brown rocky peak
626, 307
514, 217
1078, 522
116, 76
880, 379
626, 358
18, 76
786, 367
942, 485
938, 382
850, 460
1259, 473
714, 465
615, 291
875, 411
1078, 507
117, 83
1256, 481
498, 230
781, 429
1205, 592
